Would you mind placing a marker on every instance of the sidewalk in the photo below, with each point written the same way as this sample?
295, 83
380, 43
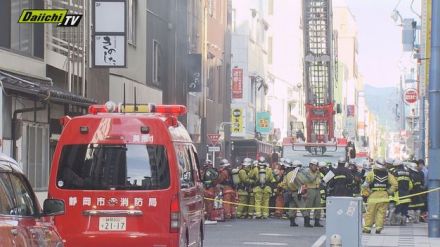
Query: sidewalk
409, 235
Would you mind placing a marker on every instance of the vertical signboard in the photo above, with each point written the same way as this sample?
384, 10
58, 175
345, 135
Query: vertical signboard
263, 122
238, 121
350, 111
237, 83
109, 34
194, 79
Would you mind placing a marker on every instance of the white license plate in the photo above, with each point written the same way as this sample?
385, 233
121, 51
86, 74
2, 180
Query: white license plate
112, 223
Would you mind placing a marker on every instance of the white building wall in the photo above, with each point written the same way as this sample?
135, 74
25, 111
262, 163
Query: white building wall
286, 69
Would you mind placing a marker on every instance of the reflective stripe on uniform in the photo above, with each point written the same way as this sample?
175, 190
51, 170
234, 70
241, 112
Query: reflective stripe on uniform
340, 177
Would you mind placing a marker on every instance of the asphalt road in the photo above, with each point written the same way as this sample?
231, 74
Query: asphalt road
269, 232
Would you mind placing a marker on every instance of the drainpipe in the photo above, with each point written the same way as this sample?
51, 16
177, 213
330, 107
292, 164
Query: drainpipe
434, 123
14, 120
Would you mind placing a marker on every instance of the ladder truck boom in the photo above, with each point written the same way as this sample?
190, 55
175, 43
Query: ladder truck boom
318, 70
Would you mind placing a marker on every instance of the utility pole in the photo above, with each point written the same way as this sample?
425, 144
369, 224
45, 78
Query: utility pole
434, 122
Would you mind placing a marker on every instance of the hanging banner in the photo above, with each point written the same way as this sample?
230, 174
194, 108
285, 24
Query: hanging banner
238, 121
194, 79
263, 122
237, 83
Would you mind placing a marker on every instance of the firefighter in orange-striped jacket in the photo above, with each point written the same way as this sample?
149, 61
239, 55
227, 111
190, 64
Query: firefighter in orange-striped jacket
226, 184
209, 177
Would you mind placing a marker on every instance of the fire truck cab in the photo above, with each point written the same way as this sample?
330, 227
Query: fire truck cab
128, 176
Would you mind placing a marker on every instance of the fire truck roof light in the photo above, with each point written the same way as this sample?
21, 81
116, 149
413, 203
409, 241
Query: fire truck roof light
171, 109
138, 108
95, 109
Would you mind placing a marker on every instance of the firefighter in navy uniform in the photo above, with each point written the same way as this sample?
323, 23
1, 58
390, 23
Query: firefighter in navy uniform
341, 184
263, 175
378, 185
225, 181
209, 176
242, 188
418, 180
404, 187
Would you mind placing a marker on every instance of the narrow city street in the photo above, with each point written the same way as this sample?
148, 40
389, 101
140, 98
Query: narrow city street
270, 232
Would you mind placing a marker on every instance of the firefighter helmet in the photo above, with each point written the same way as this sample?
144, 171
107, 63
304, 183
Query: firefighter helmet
380, 164
224, 163
411, 165
296, 163
313, 162
247, 162
397, 163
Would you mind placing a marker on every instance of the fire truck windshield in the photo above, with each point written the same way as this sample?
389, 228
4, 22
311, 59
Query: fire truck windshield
113, 167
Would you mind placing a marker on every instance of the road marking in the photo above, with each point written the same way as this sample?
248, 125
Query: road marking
276, 234
265, 243
320, 241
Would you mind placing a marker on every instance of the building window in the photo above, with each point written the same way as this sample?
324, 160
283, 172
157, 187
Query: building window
21, 34
270, 7
156, 62
35, 154
270, 50
131, 37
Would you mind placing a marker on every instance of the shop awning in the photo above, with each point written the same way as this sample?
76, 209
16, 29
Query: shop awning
41, 89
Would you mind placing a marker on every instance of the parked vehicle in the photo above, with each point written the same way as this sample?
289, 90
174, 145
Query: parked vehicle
22, 222
129, 175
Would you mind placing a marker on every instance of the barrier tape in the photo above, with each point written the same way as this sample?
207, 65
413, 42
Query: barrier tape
372, 201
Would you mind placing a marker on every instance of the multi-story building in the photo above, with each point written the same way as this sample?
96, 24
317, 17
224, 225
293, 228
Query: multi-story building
345, 31
43, 76
285, 69
249, 66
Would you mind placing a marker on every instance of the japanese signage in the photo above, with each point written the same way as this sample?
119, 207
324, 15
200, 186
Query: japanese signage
109, 50
112, 201
237, 119
237, 83
109, 34
214, 138
194, 79
263, 122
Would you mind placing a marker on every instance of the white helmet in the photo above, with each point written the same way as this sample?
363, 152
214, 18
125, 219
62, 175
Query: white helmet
297, 163
313, 162
322, 164
247, 162
411, 165
224, 163
286, 162
397, 163
380, 164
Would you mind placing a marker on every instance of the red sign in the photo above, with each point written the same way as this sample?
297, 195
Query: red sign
410, 96
237, 83
214, 138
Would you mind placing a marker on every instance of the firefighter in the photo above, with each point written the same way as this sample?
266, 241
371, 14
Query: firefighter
341, 184
322, 165
209, 176
418, 180
242, 188
358, 175
263, 176
280, 172
252, 183
226, 184
291, 187
378, 185
404, 187
313, 199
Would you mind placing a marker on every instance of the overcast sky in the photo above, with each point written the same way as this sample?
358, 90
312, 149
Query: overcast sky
379, 37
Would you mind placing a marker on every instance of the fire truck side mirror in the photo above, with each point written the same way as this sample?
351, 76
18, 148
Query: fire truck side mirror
338, 108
